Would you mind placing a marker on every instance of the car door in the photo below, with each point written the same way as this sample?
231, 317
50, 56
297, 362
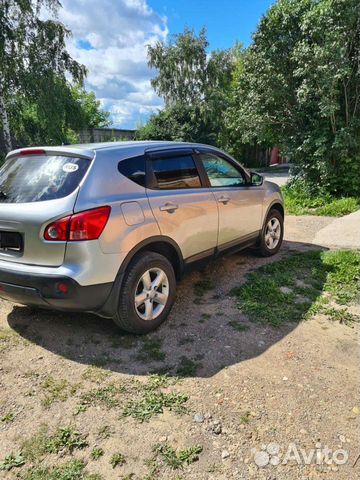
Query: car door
184, 208
240, 204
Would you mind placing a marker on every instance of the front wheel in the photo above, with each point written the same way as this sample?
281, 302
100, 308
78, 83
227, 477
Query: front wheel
272, 234
147, 293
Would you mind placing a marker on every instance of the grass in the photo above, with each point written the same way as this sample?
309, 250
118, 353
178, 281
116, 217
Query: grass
8, 338
245, 419
151, 349
340, 315
202, 286
104, 432
117, 459
72, 470
157, 381
204, 317
95, 374
152, 400
56, 390
153, 403
66, 438
12, 461
298, 202
293, 288
240, 327
101, 360
8, 417
106, 396
187, 367
165, 455
126, 341
35, 447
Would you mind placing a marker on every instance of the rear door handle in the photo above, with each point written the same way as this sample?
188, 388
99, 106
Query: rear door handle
169, 207
223, 199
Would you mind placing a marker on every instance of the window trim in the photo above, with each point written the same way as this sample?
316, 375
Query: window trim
151, 182
232, 161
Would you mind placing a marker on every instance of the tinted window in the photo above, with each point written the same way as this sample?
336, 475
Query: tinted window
38, 178
176, 172
221, 173
134, 169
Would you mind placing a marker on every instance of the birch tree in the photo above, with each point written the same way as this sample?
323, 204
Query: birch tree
31, 49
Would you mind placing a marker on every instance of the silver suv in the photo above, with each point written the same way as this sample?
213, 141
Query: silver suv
109, 228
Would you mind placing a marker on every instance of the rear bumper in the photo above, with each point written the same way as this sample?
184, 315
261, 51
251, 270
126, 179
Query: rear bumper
52, 291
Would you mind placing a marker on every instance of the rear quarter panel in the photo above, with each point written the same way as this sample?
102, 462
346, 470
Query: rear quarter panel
131, 219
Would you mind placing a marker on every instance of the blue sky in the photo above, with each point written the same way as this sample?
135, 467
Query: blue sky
226, 20
110, 38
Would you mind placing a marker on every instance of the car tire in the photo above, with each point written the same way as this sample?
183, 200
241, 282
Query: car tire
146, 269
272, 234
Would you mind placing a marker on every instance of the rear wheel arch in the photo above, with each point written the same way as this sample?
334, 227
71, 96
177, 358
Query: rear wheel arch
158, 244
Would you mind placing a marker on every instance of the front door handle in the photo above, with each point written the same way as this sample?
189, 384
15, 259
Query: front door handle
223, 199
169, 207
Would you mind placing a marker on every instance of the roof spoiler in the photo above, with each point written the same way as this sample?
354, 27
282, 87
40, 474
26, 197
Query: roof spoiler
61, 151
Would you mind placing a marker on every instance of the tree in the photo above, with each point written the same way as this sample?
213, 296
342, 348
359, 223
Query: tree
194, 87
56, 116
177, 122
34, 62
300, 89
90, 115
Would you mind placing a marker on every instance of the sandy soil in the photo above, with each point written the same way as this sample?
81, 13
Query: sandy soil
252, 390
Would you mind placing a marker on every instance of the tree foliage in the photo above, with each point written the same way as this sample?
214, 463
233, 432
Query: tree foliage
194, 86
56, 116
37, 101
300, 89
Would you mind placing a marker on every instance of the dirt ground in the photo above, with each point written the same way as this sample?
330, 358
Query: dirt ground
250, 395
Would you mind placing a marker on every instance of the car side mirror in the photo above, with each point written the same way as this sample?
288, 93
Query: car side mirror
256, 179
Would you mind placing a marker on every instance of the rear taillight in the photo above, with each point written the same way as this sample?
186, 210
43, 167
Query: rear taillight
58, 231
87, 225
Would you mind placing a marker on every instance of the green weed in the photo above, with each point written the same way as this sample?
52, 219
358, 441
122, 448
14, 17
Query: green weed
96, 453
66, 438
168, 456
72, 470
153, 403
12, 461
117, 459
8, 417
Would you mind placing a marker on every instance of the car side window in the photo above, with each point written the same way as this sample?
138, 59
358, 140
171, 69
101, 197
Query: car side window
221, 172
134, 169
175, 172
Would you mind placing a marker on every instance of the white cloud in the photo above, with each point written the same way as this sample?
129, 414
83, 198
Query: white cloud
110, 38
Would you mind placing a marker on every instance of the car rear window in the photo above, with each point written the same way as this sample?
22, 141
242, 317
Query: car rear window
37, 178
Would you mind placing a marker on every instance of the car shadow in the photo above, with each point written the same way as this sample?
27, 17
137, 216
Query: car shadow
204, 333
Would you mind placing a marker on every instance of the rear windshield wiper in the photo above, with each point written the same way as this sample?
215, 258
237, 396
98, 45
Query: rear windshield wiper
3, 195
